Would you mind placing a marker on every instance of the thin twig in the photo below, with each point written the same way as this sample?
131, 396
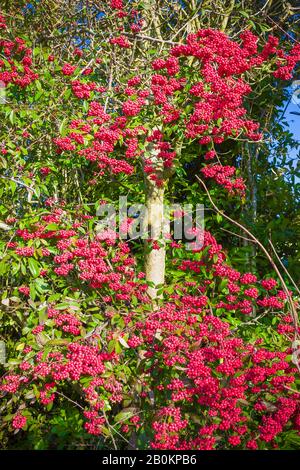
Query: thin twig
69, 399
291, 389
283, 30
262, 8
293, 310
109, 426
150, 38
110, 81
32, 190
284, 268
237, 235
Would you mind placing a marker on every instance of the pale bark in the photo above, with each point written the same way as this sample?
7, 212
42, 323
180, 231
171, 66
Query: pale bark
154, 222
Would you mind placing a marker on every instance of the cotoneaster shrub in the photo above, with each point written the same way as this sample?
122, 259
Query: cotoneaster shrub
180, 376
186, 372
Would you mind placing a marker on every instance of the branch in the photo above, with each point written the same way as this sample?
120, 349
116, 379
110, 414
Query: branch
293, 311
150, 38
110, 80
262, 8
284, 268
32, 190
69, 399
237, 235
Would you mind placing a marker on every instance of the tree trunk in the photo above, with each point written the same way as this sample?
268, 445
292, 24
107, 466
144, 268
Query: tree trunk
154, 223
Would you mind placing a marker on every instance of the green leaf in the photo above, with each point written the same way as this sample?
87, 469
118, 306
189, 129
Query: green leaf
12, 116
33, 267
23, 269
125, 414
32, 291
123, 342
13, 186
244, 13
62, 129
3, 267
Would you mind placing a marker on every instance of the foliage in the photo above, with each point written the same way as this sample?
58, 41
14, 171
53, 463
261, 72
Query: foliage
93, 361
